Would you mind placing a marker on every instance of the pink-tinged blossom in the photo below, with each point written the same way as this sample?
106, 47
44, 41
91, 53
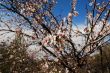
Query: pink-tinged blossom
49, 40
89, 16
75, 13
45, 41
60, 34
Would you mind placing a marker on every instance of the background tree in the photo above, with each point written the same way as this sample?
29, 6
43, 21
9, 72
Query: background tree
14, 59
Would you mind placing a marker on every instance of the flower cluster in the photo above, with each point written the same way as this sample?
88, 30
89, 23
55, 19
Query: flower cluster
48, 40
53, 39
57, 40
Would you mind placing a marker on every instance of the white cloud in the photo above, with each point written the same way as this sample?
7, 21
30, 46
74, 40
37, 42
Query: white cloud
78, 40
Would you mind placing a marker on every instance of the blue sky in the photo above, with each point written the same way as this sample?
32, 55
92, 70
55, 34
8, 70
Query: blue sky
63, 7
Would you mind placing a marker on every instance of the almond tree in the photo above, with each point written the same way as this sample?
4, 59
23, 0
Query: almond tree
57, 34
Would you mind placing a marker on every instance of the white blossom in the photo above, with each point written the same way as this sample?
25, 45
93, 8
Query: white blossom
45, 41
49, 40
64, 19
70, 15
56, 60
89, 16
60, 33
75, 13
91, 3
45, 66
